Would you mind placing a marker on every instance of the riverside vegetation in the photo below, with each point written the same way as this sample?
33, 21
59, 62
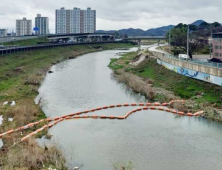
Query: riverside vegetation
160, 84
21, 75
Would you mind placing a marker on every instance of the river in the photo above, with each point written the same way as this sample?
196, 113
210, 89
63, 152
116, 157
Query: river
148, 139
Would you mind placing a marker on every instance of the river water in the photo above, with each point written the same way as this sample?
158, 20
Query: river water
148, 139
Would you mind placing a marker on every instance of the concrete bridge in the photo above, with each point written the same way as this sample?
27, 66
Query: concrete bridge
83, 37
147, 39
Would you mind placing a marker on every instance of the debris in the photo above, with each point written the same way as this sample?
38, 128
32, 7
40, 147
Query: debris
1, 119
10, 119
5, 103
13, 103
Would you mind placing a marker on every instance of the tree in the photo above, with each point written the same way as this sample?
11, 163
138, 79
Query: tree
179, 38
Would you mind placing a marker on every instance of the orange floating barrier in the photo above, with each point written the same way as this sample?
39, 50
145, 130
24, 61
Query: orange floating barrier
135, 110
68, 117
30, 125
92, 110
120, 117
99, 108
139, 109
78, 113
94, 117
141, 104
64, 116
133, 104
35, 123
112, 106
76, 117
164, 104
167, 110
189, 114
85, 116
174, 111
160, 108
112, 117
105, 107
153, 108
49, 119
103, 117
149, 104
156, 104
145, 108
181, 113
51, 125
118, 105
86, 111
126, 104
10, 131
72, 114
56, 118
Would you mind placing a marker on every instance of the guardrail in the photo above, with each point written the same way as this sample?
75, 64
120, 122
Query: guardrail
36, 47
208, 68
211, 64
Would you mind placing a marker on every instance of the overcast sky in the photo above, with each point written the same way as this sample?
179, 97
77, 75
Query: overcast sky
116, 14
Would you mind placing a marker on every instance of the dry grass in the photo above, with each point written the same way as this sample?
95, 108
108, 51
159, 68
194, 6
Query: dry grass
136, 83
31, 157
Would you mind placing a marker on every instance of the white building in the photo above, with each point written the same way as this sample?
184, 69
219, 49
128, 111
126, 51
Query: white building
75, 21
3, 32
42, 24
23, 27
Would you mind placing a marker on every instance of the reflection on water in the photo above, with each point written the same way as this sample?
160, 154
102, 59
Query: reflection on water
149, 139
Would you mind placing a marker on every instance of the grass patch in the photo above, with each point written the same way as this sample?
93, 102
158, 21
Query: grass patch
180, 85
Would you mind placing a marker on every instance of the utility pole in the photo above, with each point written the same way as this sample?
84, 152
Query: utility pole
188, 41
170, 40
211, 45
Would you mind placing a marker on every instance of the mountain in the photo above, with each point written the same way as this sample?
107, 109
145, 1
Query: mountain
198, 22
161, 31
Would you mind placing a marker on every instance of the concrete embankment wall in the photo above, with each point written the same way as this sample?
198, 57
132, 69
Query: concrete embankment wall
193, 70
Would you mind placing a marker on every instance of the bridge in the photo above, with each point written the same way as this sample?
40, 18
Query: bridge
147, 39
16, 49
82, 37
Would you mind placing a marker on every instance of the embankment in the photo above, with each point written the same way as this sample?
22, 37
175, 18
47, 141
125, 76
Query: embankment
167, 85
21, 76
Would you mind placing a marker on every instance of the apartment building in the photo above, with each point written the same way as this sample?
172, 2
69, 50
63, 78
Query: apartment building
23, 27
3, 32
41, 25
217, 45
75, 21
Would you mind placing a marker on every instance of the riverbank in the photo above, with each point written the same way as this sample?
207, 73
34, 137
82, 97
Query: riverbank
21, 76
167, 85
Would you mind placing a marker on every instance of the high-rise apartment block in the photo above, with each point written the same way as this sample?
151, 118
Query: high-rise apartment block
23, 27
41, 25
75, 21
3, 32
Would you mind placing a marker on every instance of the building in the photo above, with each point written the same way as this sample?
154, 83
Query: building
217, 45
75, 21
3, 32
23, 27
41, 25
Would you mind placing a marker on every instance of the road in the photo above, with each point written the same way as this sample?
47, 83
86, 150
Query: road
9, 39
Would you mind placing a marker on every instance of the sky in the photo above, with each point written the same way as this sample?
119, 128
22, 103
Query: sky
116, 14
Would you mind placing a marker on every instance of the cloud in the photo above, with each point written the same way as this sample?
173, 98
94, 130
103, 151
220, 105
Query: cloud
116, 14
